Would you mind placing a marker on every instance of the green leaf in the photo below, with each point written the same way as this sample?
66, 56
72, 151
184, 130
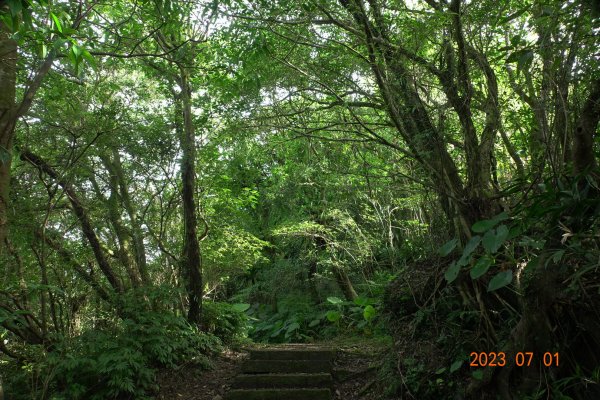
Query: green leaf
501, 217
8, 22
452, 272
293, 327
448, 247
493, 239
43, 50
76, 51
500, 280
276, 333
361, 301
484, 225
56, 22
557, 256
502, 233
456, 365
471, 245
15, 7
481, 267
241, 307
335, 300
334, 316
369, 313
464, 260
58, 43
314, 323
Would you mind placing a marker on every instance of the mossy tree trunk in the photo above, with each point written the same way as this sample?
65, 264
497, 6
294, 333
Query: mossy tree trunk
191, 259
8, 64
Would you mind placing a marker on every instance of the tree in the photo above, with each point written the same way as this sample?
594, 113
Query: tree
16, 14
438, 84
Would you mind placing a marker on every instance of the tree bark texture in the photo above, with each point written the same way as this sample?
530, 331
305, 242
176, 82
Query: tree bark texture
8, 64
583, 139
191, 259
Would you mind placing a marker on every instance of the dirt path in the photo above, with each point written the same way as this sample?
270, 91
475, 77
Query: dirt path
196, 384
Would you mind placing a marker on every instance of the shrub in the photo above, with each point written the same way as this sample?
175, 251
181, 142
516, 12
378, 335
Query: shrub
115, 362
226, 321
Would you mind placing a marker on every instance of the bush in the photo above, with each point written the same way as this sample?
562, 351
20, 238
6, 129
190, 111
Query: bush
116, 362
226, 321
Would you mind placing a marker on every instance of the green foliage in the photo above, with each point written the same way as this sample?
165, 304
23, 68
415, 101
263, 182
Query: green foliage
226, 321
290, 322
358, 316
448, 247
117, 361
310, 165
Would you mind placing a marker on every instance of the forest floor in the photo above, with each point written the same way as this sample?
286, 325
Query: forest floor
355, 369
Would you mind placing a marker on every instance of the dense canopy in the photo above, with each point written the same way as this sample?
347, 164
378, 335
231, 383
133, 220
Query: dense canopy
181, 177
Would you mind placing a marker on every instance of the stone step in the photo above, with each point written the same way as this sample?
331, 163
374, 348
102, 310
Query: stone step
285, 366
293, 354
278, 394
246, 381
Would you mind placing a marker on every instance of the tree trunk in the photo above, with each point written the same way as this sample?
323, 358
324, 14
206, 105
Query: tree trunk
82, 216
136, 228
345, 284
191, 259
583, 139
410, 117
8, 64
124, 238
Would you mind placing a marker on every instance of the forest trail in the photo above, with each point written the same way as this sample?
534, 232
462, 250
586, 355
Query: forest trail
344, 368
292, 372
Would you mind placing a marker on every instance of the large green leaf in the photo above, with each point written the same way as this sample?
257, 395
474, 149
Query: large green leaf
471, 245
452, 272
483, 225
334, 316
314, 323
15, 7
500, 280
361, 301
481, 267
448, 247
292, 327
487, 224
501, 234
335, 300
369, 313
493, 239
241, 307
456, 365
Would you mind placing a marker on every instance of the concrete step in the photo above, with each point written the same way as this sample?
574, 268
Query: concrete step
278, 394
265, 381
293, 354
285, 366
